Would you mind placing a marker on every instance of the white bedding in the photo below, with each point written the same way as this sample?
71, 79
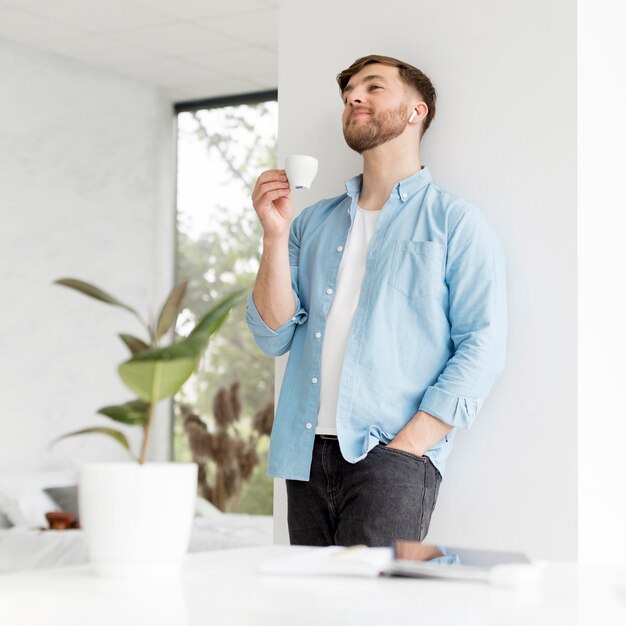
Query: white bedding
24, 548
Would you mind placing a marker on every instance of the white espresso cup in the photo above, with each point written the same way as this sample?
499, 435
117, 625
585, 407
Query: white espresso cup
301, 170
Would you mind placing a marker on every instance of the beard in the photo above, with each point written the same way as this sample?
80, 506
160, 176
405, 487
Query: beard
381, 127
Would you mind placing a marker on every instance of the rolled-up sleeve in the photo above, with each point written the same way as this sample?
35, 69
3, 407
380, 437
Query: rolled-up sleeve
476, 279
275, 342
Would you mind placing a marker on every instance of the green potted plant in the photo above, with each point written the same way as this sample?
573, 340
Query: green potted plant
138, 515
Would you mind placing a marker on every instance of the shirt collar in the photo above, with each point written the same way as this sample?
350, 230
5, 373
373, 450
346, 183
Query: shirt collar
404, 188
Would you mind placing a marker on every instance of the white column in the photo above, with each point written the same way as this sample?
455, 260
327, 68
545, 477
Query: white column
601, 280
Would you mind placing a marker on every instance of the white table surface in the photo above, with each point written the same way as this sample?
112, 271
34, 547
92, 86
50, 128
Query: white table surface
222, 587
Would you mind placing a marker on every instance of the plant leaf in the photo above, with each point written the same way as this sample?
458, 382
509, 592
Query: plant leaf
180, 350
211, 321
134, 412
156, 379
92, 291
119, 436
170, 309
134, 344
159, 373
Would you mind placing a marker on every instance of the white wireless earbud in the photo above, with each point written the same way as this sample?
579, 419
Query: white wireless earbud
412, 116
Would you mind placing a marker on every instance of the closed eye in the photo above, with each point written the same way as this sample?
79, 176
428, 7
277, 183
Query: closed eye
345, 100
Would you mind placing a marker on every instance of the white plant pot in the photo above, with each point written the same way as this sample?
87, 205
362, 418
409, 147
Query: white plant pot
137, 518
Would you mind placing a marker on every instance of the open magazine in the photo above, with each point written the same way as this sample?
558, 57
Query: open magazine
413, 558
406, 558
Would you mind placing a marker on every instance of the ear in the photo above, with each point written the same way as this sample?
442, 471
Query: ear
422, 109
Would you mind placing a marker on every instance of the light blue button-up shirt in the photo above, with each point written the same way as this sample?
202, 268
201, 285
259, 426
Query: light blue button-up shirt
429, 331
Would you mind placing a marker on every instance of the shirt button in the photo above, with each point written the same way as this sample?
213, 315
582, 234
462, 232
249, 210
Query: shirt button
294, 318
309, 425
329, 291
318, 335
339, 248
313, 380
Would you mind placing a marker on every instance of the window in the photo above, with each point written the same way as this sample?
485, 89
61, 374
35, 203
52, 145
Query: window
223, 414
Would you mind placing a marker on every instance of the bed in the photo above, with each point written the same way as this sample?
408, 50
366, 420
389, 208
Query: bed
26, 542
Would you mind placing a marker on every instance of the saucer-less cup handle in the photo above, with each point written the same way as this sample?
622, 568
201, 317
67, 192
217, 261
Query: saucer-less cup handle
301, 170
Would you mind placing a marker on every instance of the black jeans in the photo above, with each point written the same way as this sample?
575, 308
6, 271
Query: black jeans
388, 495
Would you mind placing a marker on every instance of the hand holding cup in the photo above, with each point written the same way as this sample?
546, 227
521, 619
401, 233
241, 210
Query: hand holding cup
272, 202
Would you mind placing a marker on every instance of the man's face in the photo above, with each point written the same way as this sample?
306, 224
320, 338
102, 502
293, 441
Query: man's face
376, 107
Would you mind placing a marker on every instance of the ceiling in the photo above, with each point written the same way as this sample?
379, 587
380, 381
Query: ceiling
193, 49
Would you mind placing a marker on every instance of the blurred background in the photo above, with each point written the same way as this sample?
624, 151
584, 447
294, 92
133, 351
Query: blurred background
132, 133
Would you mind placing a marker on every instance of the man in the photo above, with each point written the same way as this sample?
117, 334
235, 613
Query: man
391, 299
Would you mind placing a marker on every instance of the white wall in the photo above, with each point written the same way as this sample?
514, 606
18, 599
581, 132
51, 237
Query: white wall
504, 137
87, 185
602, 283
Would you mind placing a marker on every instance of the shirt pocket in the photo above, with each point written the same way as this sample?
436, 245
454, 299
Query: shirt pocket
417, 268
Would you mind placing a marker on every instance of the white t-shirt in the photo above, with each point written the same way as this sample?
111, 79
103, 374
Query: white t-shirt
340, 314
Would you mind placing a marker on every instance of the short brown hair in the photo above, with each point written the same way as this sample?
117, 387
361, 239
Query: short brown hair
408, 74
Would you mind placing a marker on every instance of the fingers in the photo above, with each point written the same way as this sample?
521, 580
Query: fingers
272, 175
270, 185
270, 196
266, 192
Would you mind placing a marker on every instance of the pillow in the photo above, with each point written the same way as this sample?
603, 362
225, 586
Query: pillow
204, 508
5, 522
22, 499
66, 498
8, 511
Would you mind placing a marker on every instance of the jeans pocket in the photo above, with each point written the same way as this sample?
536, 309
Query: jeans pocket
417, 268
410, 455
